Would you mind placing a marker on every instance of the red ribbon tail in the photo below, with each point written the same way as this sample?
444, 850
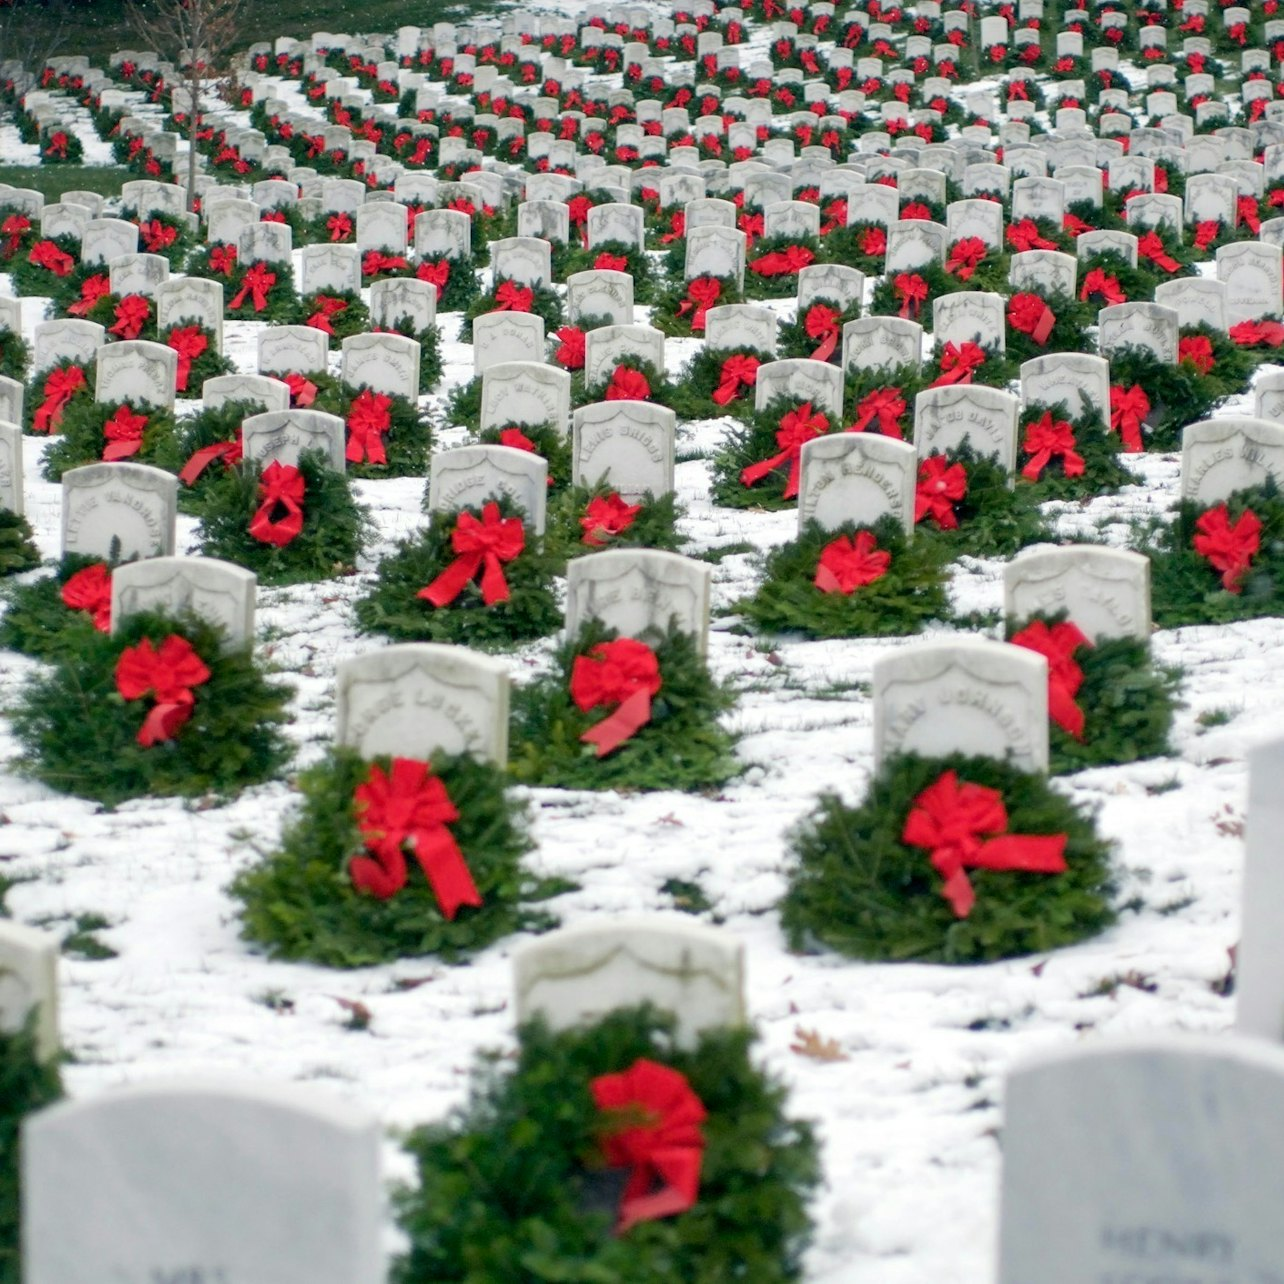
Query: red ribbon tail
200, 461
826, 581
494, 586
1029, 853
1033, 470
725, 393
1063, 710
1043, 330
957, 889
679, 1168
1130, 433
122, 449
632, 715
163, 722
754, 473
826, 349
450, 583
441, 860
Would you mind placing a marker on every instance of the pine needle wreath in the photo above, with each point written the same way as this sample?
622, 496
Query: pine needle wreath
18, 551
793, 338
1232, 366
996, 371
30, 278
392, 606
545, 303
994, 518
909, 594
637, 265
692, 396
908, 380
79, 736
352, 318
429, 341
37, 622
666, 311
463, 404
1069, 331
462, 286
1185, 587
1135, 284
15, 355
683, 746
335, 526
212, 426
406, 443
103, 313
510, 1187
550, 442
658, 382
209, 365
80, 438
753, 443
1103, 468
27, 1084
783, 285
299, 901
856, 888
850, 246
654, 527
1178, 394
886, 302
1128, 703
177, 251
282, 299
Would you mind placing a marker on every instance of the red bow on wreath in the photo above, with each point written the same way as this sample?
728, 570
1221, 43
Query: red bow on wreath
1047, 438
369, 417
511, 297
606, 517
627, 385
409, 806
1151, 246
821, 324
157, 236
13, 229
624, 673
169, 672
703, 293
483, 546
279, 516
47, 255
124, 434
340, 227
797, 427
90, 590
92, 289
655, 1132
787, 262
436, 273
189, 342
1197, 350
940, 486
1228, 548
228, 451
1128, 410
223, 259
571, 348
911, 290
303, 392
737, 373
1029, 314
1025, 235
1101, 283
846, 565
375, 262
257, 282
884, 406
60, 387
611, 263
1058, 645
1254, 334
327, 306
952, 820
966, 256
959, 363
132, 313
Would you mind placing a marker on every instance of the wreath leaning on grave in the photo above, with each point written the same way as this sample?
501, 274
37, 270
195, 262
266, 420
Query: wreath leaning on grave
57, 614
718, 382
1068, 458
947, 860
584, 519
552, 444
550, 1154
15, 355
476, 577
157, 708
95, 431
392, 859
203, 447
617, 713
18, 551
760, 463
386, 435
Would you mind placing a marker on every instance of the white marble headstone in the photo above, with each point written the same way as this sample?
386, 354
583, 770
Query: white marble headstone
1220, 456
29, 979
120, 509
627, 443
1105, 591
217, 591
281, 436
857, 477
468, 476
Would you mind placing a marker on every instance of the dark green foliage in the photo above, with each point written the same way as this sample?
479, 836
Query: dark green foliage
1179, 394
299, 902
785, 285
693, 390
666, 314
392, 606
80, 736
796, 342
31, 279
886, 301
37, 622
282, 307
1136, 284
996, 371
209, 365
14, 355
857, 889
550, 442
211, 426
661, 390
512, 1187
406, 443
35, 393
1103, 467
911, 592
1234, 365
26, 1085
80, 440
335, 526
461, 285
681, 747
17, 549
750, 444
653, 527
352, 319
1069, 331
581, 259
1186, 589
546, 303
463, 404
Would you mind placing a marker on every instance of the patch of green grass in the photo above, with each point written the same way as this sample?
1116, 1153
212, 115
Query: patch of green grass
1209, 718
689, 897
1164, 786
719, 552
53, 180
80, 941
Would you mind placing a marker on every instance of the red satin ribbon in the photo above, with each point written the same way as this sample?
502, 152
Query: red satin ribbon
47, 255
92, 289
124, 434
157, 236
1197, 350
14, 228
940, 486
787, 262
1151, 246
436, 273
884, 405
611, 263
257, 282
374, 262
368, 419
1228, 548
1254, 334
606, 517
873, 242
821, 324
959, 363
90, 590
1058, 645
1128, 410
1029, 314
965, 257
1047, 438
303, 392
952, 820
1099, 282
483, 546
327, 306
281, 491
409, 806
571, 347
189, 342
624, 673
703, 293
1246, 211
223, 259
627, 385
1025, 235
514, 298
1206, 232
657, 1137
132, 313
168, 672
737, 373
846, 565
677, 228
228, 451
60, 387
797, 427
911, 290
339, 226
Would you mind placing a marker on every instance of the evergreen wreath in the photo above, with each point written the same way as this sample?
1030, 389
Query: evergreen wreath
887, 302
80, 736
406, 443
165, 234
27, 1084
81, 438
104, 313
546, 440
463, 404
510, 1188
544, 303
856, 887
906, 596
1232, 366
210, 364
692, 394
212, 426
281, 300
860, 245
1103, 467
781, 284
335, 526
997, 370
1135, 283
18, 551
1069, 332
1187, 589
661, 390
321, 309
637, 264
461, 285
1178, 394
667, 314
30, 278
653, 526
36, 620
15, 355
795, 341
393, 605
1127, 701
299, 902
906, 381
682, 745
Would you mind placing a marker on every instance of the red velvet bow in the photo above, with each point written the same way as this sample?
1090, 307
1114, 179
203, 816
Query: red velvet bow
409, 806
624, 673
257, 282
1229, 549
1102, 284
656, 1134
1047, 438
169, 672
787, 262
627, 385
436, 273
228, 451
157, 236
911, 290
60, 387
952, 818
90, 590
511, 297
1058, 645
1128, 410
92, 289
873, 242
571, 347
516, 439
797, 427
47, 255
1029, 314
483, 546
375, 262
1151, 246
132, 313
677, 228
1246, 211
940, 486
1025, 235
327, 306
1197, 350
124, 434
303, 392
611, 263
736, 374
189, 342
884, 405
340, 227
1206, 232
959, 363
703, 293
223, 259
279, 516
846, 565
965, 257
369, 417
821, 324
606, 517
1254, 334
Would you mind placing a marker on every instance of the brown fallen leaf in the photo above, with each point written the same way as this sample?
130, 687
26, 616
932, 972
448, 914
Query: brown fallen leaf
359, 1016
809, 1043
